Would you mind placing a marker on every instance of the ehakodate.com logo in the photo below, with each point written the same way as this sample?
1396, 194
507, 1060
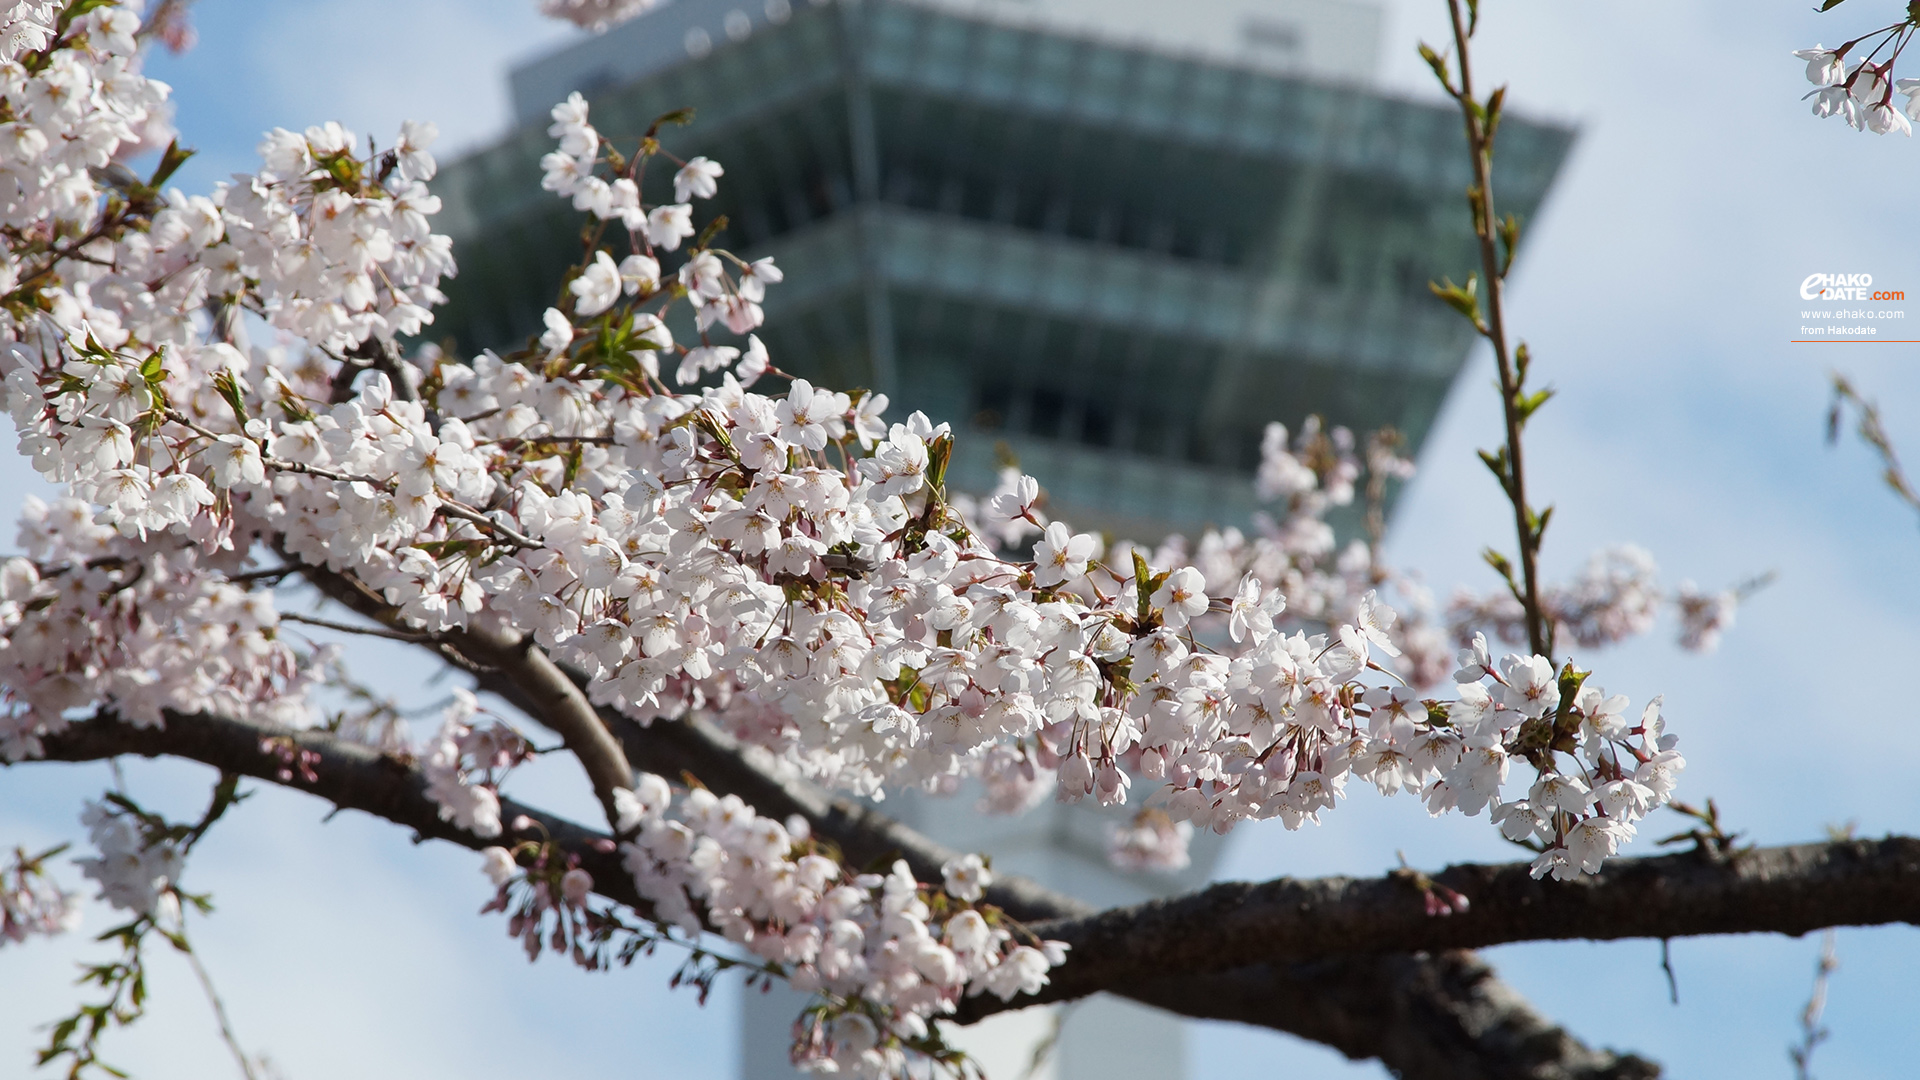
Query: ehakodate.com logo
1845, 287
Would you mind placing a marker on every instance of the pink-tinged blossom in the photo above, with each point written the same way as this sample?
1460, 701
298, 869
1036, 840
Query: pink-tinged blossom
1061, 555
596, 14
32, 903
1824, 66
697, 179
497, 863
1151, 842
558, 333
236, 461
967, 877
597, 287
778, 563
668, 225
1182, 597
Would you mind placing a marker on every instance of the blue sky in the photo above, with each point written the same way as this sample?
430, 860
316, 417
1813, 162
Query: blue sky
1658, 290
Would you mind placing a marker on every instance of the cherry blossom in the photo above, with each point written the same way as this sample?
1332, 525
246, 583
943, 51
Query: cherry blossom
774, 557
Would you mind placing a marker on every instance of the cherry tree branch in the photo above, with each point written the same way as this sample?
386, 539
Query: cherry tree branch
515, 666
528, 679
1439, 1016
1426, 1018
350, 775
1445, 1017
1481, 122
556, 702
1783, 890
408, 636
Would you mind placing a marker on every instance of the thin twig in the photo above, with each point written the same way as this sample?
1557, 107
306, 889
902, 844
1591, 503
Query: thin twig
347, 628
213, 998
1666, 965
263, 575
1812, 1031
1481, 122
449, 507
1873, 434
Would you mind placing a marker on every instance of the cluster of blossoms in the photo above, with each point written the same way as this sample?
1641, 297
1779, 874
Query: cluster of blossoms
135, 872
596, 14
716, 293
31, 902
465, 763
1863, 94
788, 564
1617, 596
884, 952
1704, 616
1151, 841
1291, 571
1596, 771
144, 625
27, 26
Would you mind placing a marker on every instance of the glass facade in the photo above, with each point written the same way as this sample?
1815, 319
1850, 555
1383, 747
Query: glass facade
1115, 263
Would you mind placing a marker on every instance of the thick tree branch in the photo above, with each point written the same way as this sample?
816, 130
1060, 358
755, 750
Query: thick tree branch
513, 666
1445, 1016
1785, 890
1425, 1019
1441, 1018
555, 701
347, 774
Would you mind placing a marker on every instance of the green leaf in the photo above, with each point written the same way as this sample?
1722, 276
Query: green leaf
230, 390
1510, 238
1829, 5
1464, 299
1496, 463
1438, 63
1527, 404
1140, 586
678, 117
170, 162
1500, 563
1571, 679
939, 453
712, 230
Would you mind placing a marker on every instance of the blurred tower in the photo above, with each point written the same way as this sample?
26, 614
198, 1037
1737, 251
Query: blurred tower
1117, 237
1120, 259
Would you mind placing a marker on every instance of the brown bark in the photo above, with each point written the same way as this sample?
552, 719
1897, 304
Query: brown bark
1784, 890
1436, 1018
